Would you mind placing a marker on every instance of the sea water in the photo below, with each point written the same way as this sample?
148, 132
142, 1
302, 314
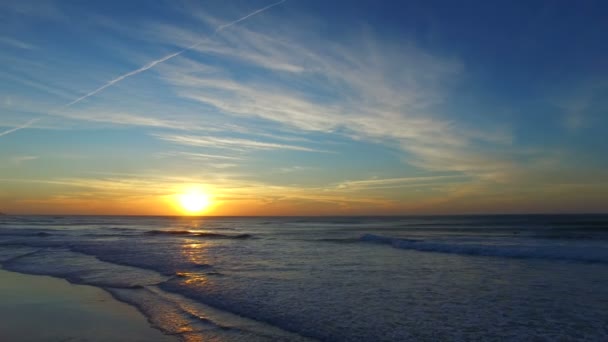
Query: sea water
457, 278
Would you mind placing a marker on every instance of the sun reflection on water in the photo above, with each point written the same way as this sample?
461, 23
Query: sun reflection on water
196, 252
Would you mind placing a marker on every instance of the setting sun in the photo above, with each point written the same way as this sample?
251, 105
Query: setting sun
194, 201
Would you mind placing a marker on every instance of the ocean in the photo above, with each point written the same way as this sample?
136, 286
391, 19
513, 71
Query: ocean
431, 278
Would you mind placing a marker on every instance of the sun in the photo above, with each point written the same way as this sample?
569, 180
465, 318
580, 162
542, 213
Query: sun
194, 201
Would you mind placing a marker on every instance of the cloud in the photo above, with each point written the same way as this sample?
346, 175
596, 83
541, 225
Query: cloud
221, 165
207, 160
574, 107
16, 43
234, 196
30, 74
425, 194
369, 89
392, 183
573, 121
236, 144
578, 102
278, 81
18, 160
25, 125
132, 119
295, 168
365, 87
204, 156
168, 57
17, 10
124, 76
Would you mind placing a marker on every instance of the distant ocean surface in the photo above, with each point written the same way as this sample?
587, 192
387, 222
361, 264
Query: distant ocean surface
456, 278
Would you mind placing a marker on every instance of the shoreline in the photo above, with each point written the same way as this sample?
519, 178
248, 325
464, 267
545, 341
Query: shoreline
45, 308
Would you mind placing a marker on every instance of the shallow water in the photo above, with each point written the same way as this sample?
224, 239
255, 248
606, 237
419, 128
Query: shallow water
40, 308
335, 279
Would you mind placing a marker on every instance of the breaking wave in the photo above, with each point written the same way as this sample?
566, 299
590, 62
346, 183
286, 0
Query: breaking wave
553, 252
199, 234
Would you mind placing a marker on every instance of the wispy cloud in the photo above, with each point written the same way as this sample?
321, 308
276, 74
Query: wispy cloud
169, 56
16, 43
204, 156
17, 161
25, 125
247, 196
133, 119
226, 190
15, 9
576, 104
225, 26
372, 90
221, 165
21, 159
231, 143
400, 182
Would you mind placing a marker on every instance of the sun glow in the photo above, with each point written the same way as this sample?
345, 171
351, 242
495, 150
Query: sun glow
194, 201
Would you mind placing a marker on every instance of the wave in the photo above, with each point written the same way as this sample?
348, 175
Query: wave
140, 253
199, 234
259, 326
157, 309
170, 312
383, 239
335, 240
25, 233
177, 315
76, 267
553, 252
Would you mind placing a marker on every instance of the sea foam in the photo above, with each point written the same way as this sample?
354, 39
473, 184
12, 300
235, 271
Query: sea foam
543, 251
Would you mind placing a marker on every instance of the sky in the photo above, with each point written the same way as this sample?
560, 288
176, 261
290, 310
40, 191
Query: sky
304, 107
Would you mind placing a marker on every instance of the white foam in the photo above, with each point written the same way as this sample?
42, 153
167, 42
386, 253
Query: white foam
81, 269
543, 251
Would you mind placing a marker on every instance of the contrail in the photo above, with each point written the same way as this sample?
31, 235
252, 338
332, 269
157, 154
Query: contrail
168, 57
25, 125
147, 66
221, 27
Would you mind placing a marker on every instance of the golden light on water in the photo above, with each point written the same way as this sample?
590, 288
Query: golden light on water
194, 201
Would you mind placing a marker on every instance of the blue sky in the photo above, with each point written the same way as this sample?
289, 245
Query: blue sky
304, 107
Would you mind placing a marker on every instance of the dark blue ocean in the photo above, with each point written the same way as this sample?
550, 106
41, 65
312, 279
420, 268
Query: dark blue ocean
443, 278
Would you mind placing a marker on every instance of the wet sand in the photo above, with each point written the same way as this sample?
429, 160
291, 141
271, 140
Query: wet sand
42, 308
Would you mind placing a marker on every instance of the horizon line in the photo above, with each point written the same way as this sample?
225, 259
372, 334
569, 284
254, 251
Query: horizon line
314, 216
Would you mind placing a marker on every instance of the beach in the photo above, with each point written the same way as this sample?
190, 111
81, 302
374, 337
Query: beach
465, 278
43, 308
